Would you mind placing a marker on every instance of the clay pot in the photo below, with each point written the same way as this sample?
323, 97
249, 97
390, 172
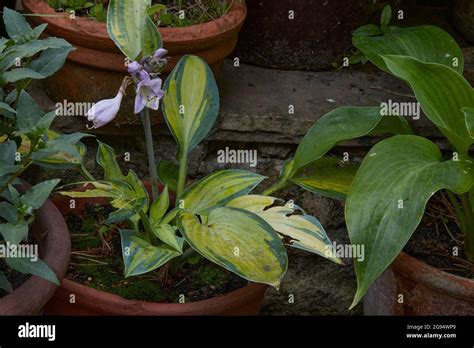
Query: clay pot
463, 18
316, 39
88, 301
426, 290
51, 234
96, 69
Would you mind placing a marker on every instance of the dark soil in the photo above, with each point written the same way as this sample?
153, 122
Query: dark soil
97, 262
438, 241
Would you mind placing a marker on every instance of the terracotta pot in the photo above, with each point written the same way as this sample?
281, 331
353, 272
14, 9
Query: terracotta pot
463, 18
426, 290
51, 234
88, 301
96, 69
318, 37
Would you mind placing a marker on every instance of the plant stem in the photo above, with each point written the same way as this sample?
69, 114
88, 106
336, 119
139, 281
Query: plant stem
183, 167
279, 185
468, 227
145, 116
148, 229
85, 173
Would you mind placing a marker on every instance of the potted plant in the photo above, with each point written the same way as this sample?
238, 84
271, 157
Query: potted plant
215, 218
386, 197
34, 239
97, 63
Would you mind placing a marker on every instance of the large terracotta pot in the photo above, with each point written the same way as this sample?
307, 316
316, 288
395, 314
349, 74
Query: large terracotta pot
425, 290
88, 301
96, 69
317, 38
51, 234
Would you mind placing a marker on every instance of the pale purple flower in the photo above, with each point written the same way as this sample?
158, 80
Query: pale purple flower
106, 110
149, 94
160, 53
136, 70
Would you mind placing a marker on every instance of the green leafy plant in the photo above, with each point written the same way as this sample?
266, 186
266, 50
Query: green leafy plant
386, 196
216, 217
25, 135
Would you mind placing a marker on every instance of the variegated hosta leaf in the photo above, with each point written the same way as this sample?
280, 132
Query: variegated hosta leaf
130, 27
140, 257
328, 176
239, 241
304, 231
167, 234
442, 93
122, 195
388, 197
219, 188
426, 43
191, 102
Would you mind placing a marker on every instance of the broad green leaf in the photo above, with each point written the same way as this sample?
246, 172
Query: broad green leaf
328, 176
219, 188
38, 268
130, 27
50, 61
442, 93
239, 241
426, 43
140, 257
159, 208
388, 197
341, 124
168, 174
303, 231
38, 194
15, 24
4, 283
14, 233
167, 234
7, 152
191, 102
469, 115
28, 113
6, 110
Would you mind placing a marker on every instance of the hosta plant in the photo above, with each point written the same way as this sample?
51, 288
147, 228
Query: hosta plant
216, 217
387, 194
26, 139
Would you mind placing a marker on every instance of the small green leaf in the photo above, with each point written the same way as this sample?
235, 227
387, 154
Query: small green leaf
38, 268
50, 61
159, 208
15, 24
28, 113
14, 233
239, 241
168, 174
140, 257
37, 195
219, 188
21, 74
167, 234
327, 176
8, 212
106, 158
386, 17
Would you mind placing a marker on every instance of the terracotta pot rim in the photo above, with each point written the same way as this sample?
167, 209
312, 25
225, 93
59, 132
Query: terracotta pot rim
434, 278
33, 294
112, 300
84, 26
115, 301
